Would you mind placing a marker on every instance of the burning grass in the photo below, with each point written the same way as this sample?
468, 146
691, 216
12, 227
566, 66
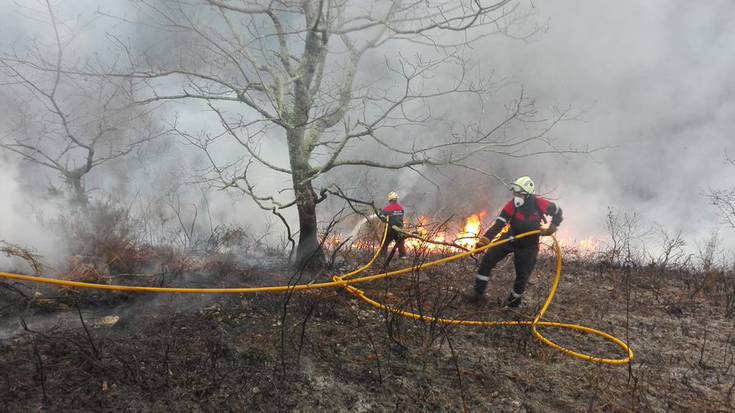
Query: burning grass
427, 235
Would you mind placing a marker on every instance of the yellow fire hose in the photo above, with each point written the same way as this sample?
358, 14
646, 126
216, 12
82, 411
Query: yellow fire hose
533, 324
340, 281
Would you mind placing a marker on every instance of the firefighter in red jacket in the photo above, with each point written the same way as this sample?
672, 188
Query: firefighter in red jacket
523, 213
394, 212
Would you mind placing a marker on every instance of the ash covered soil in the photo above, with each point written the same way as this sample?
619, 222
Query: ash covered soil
63, 350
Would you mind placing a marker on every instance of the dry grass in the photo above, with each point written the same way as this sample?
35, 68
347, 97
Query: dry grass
325, 350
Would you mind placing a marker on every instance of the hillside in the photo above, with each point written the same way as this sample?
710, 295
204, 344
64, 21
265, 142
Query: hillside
325, 350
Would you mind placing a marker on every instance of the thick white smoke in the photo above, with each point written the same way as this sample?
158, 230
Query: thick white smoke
20, 222
652, 78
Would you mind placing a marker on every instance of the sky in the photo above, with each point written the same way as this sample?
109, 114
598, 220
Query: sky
652, 80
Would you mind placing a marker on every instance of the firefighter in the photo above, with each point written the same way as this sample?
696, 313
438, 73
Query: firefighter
525, 212
393, 212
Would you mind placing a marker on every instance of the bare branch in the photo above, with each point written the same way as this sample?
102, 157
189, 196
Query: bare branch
246, 10
245, 144
291, 72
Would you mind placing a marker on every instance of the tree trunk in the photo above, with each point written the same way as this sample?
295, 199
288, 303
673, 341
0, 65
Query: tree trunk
309, 252
79, 197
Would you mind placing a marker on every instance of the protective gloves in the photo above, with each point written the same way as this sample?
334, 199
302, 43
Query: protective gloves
481, 242
548, 231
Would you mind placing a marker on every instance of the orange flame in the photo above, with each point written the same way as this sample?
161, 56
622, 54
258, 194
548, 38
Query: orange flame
589, 245
468, 237
465, 238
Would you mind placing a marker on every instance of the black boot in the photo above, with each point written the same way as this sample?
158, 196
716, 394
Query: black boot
514, 301
471, 296
476, 294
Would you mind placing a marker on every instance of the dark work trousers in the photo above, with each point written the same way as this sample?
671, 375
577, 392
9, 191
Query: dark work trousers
524, 258
400, 243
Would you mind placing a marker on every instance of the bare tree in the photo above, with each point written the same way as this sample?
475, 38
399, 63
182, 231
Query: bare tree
724, 199
67, 123
626, 247
334, 81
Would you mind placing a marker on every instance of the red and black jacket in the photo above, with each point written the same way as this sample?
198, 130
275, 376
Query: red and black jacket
527, 217
394, 212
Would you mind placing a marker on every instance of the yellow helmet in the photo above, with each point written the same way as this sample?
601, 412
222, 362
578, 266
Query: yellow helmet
393, 196
523, 184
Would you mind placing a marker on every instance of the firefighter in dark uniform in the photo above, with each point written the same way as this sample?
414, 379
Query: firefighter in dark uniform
523, 213
394, 212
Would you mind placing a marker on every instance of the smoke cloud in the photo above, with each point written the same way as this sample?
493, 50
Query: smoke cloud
652, 80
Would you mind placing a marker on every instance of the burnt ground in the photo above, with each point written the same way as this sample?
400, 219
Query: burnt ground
325, 350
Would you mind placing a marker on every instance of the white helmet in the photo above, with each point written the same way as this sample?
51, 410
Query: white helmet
393, 196
524, 185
